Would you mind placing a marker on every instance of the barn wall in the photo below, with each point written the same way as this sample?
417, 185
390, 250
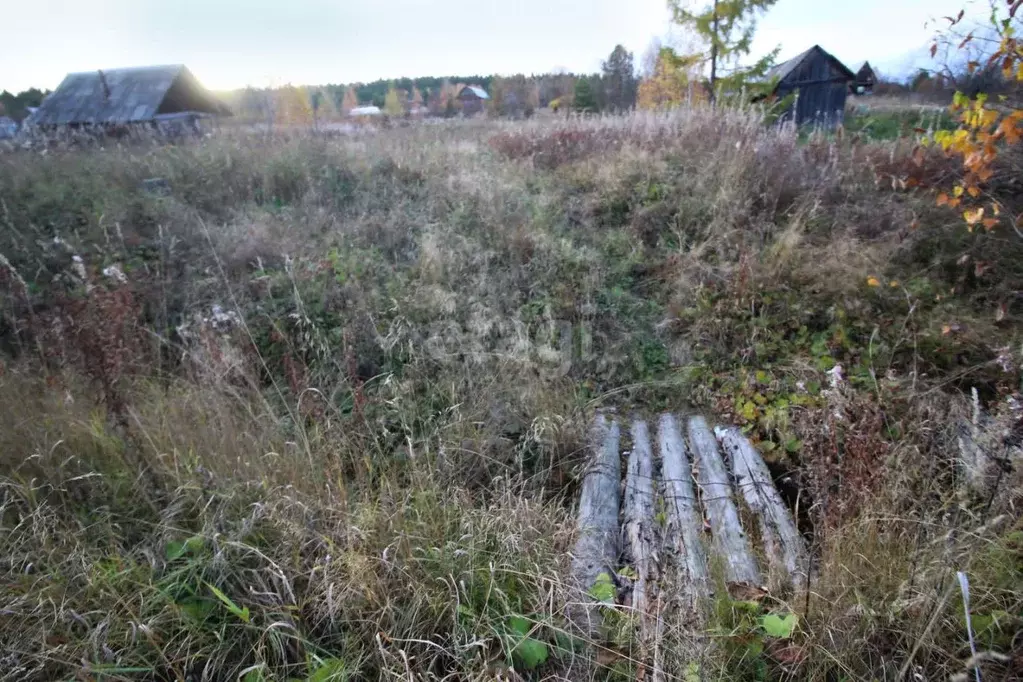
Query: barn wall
822, 90
471, 104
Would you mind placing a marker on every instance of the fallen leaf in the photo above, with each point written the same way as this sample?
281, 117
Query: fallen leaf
747, 592
973, 216
787, 654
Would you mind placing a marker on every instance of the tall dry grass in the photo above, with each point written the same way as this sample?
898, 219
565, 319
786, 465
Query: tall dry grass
345, 380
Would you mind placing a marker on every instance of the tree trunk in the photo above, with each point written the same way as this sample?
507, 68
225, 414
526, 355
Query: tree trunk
730, 542
786, 554
714, 57
596, 549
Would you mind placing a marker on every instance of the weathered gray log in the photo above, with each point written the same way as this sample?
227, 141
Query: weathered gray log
638, 530
684, 521
683, 543
596, 549
783, 545
729, 542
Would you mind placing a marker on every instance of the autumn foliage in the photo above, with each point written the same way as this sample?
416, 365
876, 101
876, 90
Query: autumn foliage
675, 81
988, 127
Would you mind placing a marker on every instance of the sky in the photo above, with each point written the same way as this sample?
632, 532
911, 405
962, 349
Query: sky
234, 43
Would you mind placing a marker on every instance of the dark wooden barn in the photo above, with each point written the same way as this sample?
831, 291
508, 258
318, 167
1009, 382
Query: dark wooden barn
865, 81
819, 82
473, 99
148, 95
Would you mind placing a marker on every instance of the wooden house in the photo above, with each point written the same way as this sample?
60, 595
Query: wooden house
473, 99
819, 83
150, 95
865, 80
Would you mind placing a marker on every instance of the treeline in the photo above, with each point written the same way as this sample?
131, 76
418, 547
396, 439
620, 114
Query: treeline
614, 88
16, 106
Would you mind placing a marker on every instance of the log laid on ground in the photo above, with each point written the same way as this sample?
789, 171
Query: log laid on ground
683, 543
596, 549
684, 521
786, 553
730, 543
638, 529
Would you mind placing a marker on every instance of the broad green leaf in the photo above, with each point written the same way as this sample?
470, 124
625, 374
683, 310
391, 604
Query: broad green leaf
692, 673
530, 653
777, 625
241, 613
603, 589
330, 670
519, 625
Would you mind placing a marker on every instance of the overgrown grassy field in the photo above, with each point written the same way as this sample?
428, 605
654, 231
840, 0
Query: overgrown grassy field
315, 407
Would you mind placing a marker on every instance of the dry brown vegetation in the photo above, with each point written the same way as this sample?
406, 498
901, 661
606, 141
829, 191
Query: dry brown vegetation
315, 407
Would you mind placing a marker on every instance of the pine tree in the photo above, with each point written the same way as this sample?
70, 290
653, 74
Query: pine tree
726, 27
585, 99
619, 75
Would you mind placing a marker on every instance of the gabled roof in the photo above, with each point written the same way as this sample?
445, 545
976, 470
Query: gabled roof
865, 73
125, 96
476, 90
786, 68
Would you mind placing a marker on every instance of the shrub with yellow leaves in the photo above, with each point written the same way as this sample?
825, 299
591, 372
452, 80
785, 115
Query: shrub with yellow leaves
986, 127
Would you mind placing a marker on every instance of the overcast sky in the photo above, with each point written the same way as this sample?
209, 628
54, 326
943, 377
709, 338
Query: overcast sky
232, 43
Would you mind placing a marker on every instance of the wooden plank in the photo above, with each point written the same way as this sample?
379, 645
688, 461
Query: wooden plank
638, 529
783, 545
684, 521
689, 584
729, 542
596, 549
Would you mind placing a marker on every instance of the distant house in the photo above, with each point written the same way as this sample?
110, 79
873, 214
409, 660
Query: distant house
865, 81
149, 95
361, 112
473, 99
8, 128
819, 82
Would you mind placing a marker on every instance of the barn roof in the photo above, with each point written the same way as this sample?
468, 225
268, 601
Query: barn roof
786, 68
476, 90
125, 96
365, 111
866, 72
